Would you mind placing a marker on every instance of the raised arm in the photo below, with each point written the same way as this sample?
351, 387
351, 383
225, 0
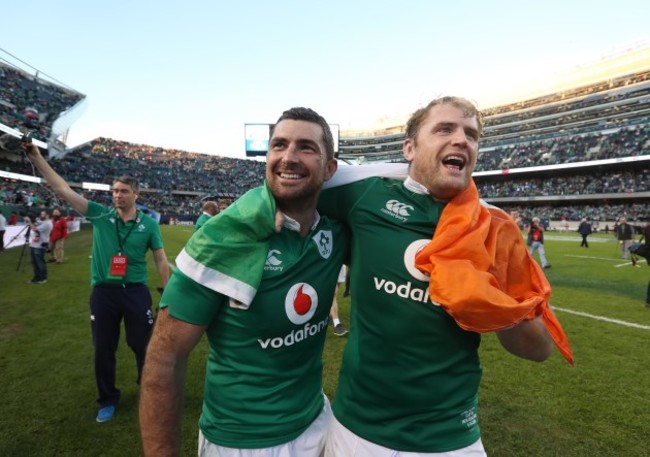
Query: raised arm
163, 380
56, 182
528, 340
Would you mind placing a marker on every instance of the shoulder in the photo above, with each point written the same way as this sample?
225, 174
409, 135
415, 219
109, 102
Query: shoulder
149, 222
96, 209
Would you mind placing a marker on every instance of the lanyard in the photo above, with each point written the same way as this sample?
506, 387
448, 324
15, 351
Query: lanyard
121, 242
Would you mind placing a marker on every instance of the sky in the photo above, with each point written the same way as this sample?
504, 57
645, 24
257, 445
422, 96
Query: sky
190, 74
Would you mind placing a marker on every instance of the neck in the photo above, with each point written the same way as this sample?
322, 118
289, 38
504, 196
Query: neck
127, 214
305, 218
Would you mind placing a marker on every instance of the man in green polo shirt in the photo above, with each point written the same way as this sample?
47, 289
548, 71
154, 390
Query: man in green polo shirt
263, 392
122, 235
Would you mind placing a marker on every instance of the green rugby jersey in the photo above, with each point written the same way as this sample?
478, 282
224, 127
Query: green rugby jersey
202, 219
410, 376
138, 236
263, 382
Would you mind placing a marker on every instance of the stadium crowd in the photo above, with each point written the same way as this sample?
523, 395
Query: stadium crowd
626, 142
173, 181
558, 128
598, 182
19, 91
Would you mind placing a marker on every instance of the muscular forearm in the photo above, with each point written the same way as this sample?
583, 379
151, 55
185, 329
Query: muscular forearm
161, 404
528, 339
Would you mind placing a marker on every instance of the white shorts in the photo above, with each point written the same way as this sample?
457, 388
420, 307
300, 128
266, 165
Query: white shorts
342, 274
341, 442
310, 443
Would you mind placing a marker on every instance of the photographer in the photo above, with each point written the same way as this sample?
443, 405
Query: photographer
536, 241
39, 240
3, 228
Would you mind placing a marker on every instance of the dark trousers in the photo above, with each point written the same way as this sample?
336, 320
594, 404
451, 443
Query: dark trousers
38, 264
108, 305
647, 296
2, 240
584, 241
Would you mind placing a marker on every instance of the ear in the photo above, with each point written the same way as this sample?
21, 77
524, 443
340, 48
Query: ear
408, 149
331, 167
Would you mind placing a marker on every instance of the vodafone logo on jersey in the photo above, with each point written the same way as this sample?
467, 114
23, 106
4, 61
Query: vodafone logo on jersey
409, 259
301, 303
408, 290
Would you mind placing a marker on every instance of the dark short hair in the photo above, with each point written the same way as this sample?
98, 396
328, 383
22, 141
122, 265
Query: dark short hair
309, 115
417, 118
129, 181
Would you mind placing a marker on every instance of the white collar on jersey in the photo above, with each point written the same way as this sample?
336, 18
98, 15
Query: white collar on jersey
294, 225
414, 186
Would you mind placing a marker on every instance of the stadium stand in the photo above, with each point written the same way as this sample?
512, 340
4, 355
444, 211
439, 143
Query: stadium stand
580, 151
20, 90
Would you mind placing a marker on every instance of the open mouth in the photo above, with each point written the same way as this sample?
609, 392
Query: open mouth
454, 162
290, 175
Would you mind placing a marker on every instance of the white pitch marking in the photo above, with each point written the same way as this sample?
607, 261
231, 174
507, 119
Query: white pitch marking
605, 319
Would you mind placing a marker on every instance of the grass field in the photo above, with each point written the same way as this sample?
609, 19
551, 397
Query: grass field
599, 407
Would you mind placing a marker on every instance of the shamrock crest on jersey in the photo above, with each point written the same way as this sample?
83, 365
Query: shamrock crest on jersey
324, 242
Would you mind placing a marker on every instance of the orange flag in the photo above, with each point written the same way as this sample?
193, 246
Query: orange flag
481, 272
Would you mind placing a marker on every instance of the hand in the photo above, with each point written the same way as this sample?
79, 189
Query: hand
31, 150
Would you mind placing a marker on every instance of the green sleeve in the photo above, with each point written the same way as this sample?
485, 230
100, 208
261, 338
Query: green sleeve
156, 237
189, 301
95, 210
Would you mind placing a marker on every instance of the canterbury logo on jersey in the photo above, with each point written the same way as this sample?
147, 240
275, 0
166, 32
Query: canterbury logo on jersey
397, 209
273, 263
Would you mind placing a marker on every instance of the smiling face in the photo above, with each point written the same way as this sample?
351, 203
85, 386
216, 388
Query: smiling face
443, 151
297, 164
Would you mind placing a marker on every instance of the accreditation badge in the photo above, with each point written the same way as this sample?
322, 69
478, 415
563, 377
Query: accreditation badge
118, 265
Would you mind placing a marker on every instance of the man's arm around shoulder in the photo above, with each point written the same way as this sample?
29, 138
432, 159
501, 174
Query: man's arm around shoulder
163, 380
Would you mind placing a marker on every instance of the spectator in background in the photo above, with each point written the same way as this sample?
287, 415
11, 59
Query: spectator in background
13, 218
39, 240
223, 204
3, 228
339, 329
584, 229
536, 241
58, 237
624, 235
209, 209
646, 238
